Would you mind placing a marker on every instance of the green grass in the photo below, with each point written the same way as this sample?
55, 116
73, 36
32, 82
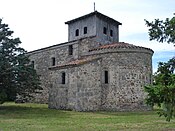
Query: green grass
37, 117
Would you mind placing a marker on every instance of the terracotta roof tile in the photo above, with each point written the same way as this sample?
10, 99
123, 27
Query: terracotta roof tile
117, 45
74, 63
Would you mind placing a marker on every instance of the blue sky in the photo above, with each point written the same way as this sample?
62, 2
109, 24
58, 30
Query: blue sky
40, 23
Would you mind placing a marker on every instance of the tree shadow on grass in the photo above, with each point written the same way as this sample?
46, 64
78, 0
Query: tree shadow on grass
24, 111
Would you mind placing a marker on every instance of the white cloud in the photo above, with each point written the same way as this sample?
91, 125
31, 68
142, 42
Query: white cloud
40, 23
156, 46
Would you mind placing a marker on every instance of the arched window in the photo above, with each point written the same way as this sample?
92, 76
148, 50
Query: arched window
77, 32
85, 30
104, 30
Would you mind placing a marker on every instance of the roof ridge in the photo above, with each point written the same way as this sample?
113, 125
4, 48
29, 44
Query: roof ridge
118, 45
93, 13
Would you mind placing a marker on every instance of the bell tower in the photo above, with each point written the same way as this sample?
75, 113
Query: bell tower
103, 28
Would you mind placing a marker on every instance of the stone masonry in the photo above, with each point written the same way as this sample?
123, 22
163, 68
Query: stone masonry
93, 71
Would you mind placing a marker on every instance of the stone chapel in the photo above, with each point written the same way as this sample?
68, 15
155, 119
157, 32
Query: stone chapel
93, 71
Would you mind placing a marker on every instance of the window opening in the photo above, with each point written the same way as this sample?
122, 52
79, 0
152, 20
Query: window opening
77, 32
104, 30
150, 79
53, 61
106, 77
85, 30
111, 33
33, 64
70, 49
63, 78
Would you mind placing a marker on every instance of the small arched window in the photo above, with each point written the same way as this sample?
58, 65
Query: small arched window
77, 32
111, 33
85, 30
104, 30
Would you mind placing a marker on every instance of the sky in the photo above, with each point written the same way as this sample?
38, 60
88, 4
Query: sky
41, 23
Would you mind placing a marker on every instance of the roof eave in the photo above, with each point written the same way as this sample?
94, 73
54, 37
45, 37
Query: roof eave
90, 14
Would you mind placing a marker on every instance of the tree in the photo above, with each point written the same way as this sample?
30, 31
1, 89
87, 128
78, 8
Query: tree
162, 31
17, 75
162, 92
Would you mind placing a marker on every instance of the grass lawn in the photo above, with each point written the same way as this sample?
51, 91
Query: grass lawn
37, 117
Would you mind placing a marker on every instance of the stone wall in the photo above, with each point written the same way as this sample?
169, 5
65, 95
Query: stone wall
128, 73
89, 22
129, 69
42, 59
58, 93
95, 24
85, 89
110, 26
82, 90
89, 87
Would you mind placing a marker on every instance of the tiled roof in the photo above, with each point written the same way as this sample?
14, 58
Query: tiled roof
58, 45
74, 63
119, 45
94, 13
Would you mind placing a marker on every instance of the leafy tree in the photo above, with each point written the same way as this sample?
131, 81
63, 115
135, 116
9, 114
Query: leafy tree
162, 31
17, 75
162, 92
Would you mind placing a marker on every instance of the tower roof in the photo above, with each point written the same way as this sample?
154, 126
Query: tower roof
96, 13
